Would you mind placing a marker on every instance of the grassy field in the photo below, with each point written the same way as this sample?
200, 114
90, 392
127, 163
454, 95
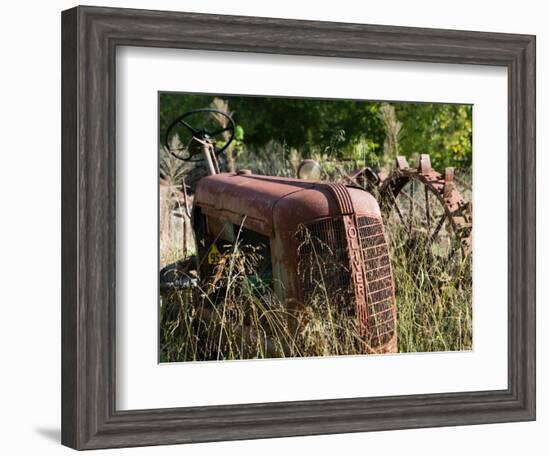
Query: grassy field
433, 299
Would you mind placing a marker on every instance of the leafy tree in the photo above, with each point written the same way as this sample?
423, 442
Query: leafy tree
341, 129
442, 130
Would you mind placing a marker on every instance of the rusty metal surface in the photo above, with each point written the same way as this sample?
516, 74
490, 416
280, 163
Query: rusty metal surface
457, 211
233, 197
382, 311
424, 164
346, 260
279, 208
323, 253
262, 199
402, 163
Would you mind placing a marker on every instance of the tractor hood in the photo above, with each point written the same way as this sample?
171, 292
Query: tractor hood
266, 202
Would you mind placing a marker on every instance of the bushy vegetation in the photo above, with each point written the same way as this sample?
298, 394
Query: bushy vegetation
434, 305
343, 129
233, 317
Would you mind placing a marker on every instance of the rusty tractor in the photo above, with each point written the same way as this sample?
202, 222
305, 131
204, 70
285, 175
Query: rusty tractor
427, 205
295, 224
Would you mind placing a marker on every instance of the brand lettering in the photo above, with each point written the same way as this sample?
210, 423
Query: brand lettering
356, 260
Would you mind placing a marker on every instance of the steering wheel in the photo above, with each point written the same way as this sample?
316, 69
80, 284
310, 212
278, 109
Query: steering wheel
210, 130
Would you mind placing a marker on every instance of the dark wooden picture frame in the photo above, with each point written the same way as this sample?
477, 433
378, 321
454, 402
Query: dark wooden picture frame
90, 36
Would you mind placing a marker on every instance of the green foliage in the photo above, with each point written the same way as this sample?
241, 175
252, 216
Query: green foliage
341, 129
239, 133
444, 131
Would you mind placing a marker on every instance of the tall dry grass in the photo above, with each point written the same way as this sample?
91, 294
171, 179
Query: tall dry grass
236, 316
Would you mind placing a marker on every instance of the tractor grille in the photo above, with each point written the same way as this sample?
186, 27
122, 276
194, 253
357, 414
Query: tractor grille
323, 264
380, 292
324, 269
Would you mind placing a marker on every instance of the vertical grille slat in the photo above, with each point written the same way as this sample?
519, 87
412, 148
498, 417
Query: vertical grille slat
323, 263
324, 267
381, 294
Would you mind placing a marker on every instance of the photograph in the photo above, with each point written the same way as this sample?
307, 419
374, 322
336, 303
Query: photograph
308, 227
247, 228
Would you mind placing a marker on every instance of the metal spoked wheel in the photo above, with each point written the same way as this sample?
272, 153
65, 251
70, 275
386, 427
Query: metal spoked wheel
426, 211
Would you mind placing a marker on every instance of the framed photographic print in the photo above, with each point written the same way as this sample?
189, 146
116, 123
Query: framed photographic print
268, 225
